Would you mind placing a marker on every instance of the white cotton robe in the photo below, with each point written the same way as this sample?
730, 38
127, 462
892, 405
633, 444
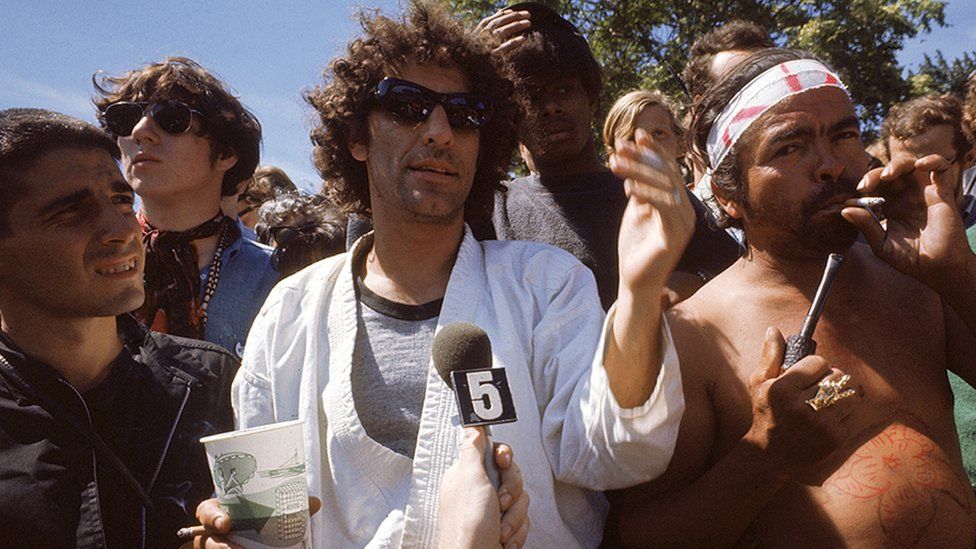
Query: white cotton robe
540, 308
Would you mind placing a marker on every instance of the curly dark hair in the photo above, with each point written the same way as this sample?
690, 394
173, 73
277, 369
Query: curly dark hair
232, 129
302, 228
727, 180
264, 186
426, 34
734, 35
911, 118
553, 48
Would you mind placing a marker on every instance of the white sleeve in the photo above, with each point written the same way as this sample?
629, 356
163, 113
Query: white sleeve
590, 440
252, 394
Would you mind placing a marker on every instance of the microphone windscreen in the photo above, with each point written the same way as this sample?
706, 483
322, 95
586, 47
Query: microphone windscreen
460, 346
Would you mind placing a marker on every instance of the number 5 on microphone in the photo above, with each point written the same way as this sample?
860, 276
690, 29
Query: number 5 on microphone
483, 397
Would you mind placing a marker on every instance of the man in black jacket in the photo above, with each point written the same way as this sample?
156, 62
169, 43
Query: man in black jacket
99, 419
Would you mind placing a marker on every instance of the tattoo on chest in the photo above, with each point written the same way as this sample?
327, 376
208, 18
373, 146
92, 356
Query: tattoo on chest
906, 476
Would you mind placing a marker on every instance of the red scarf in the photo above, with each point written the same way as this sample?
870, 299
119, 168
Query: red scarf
172, 278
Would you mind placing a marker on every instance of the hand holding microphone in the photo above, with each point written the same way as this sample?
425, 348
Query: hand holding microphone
462, 356
469, 506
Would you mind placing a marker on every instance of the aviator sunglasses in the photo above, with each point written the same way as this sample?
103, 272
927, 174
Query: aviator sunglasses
171, 116
414, 103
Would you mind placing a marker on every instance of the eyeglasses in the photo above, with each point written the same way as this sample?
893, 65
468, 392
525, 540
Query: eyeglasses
171, 116
414, 103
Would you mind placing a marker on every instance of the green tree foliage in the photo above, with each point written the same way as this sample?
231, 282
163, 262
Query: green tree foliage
645, 43
936, 75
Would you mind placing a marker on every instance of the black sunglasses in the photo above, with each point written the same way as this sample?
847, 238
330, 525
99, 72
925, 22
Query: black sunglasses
414, 103
171, 116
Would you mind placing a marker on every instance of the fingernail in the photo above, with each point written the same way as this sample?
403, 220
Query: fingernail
504, 499
886, 172
506, 530
511, 545
862, 183
219, 523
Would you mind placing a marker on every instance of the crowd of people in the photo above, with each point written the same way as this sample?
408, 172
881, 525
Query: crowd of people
637, 297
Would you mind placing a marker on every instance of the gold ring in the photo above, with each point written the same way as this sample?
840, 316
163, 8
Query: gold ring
830, 392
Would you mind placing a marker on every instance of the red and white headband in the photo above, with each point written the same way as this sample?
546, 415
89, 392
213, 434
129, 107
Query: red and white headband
761, 94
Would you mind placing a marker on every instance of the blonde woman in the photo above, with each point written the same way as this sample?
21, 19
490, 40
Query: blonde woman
650, 111
710, 251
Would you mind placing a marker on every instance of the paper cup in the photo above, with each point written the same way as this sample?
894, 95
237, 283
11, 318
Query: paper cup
259, 474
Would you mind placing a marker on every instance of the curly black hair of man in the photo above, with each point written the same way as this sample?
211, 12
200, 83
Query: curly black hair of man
425, 35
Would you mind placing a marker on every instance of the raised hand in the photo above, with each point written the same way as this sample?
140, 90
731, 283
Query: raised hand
658, 221
925, 237
505, 28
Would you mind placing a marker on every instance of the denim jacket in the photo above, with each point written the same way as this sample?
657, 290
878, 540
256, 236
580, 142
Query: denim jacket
247, 274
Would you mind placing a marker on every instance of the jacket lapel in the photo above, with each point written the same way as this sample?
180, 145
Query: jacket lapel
438, 437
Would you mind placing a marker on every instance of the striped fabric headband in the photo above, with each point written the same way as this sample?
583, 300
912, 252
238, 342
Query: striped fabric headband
760, 95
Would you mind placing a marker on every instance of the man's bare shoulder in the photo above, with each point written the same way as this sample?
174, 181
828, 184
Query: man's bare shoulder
703, 317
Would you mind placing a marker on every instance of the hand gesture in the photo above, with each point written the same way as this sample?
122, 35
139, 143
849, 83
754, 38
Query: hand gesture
658, 221
505, 28
785, 427
470, 507
925, 237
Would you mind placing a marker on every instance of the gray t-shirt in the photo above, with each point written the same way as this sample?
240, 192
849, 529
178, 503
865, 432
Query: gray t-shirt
389, 367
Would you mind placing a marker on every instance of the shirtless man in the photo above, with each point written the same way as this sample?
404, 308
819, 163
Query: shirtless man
754, 464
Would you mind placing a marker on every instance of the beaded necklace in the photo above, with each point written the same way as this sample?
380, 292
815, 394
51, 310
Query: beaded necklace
214, 274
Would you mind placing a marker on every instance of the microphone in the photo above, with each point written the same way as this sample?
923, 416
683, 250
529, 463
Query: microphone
462, 356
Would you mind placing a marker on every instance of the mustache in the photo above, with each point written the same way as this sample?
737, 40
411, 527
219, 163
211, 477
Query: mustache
842, 188
430, 153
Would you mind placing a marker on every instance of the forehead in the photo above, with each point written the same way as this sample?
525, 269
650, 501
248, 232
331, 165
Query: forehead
653, 115
439, 78
61, 172
819, 107
938, 139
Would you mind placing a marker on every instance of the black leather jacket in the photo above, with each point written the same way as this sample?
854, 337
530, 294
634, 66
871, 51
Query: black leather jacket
162, 394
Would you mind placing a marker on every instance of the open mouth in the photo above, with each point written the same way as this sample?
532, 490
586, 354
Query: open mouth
117, 268
434, 168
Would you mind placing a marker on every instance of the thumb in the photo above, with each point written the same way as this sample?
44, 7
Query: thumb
471, 449
771, 360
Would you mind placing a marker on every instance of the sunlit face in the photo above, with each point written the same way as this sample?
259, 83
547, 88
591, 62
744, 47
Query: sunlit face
75, 248
938, 140
420, 171
556, 126
801, 160
165, 167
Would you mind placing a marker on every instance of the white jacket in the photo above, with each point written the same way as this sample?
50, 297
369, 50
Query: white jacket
540, 309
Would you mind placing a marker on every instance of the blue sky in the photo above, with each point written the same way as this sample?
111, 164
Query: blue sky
268, 51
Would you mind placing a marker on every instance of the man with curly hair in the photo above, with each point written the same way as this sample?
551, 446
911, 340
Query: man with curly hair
416, 127
186, 142
933, 124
